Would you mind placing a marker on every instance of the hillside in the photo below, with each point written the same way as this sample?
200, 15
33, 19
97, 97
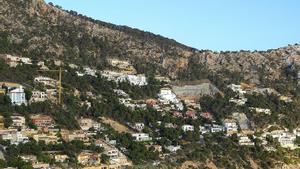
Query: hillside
80, 93
45, 31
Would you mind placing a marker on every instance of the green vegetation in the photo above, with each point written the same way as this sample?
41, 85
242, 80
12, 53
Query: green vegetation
74, 44
137, 151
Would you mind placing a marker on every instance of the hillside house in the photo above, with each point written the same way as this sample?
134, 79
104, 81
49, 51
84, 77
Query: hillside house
74, 135
109, 150
191, 114
297, 132
231, 126
286, 99
42, 121
60, 158
245, 141
172, 148
141, 137
80, 74
29, 158
170, 125
38, 96
47, 138
14, 61
58, 62
177, 114
17, 122
288, 141
155, 148
285, 138
162, 79
136, 80
97, 126
15, 137
122, 65
121, 93
138, 126
207, 115
89, 158
90, 72
216, 128
17, 96
237, 88
40, 165
187, 128
238, 101
261, 110
85, 123
46, 81
42, 65
51, 93
204, 129
166, 95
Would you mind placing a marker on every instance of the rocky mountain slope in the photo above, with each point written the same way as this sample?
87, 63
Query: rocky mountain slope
40, 30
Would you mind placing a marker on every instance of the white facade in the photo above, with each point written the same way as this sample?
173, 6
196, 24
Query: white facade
121, 93
85, 123
38, 96
238, 101
17, 96
230, 126
286, 139
216, 128
111, 75
245, 141
261, 110
297, 132
15, 137
139, 126
97, 126
26, 60
172, 148
187, 127
237, 88
141, 137
46, 81
91, 72
79, 74
137, 80
166, 96
203, 129
133, 106
18, 121
17, 59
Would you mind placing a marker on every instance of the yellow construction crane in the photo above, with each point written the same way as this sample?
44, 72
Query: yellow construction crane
59, 83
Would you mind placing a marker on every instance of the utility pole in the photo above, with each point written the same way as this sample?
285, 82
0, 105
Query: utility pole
59, 86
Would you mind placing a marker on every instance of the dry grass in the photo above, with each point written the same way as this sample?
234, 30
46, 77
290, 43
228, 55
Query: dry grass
116, 125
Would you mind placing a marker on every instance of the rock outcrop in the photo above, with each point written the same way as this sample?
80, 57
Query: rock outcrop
46, 31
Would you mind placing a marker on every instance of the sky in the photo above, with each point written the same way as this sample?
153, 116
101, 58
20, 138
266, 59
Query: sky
218, 25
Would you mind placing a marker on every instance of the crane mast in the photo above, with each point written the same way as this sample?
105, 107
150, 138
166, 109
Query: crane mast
59, 86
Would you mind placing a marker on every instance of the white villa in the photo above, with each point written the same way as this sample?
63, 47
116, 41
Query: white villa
187, 127
141, 137
17, 96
